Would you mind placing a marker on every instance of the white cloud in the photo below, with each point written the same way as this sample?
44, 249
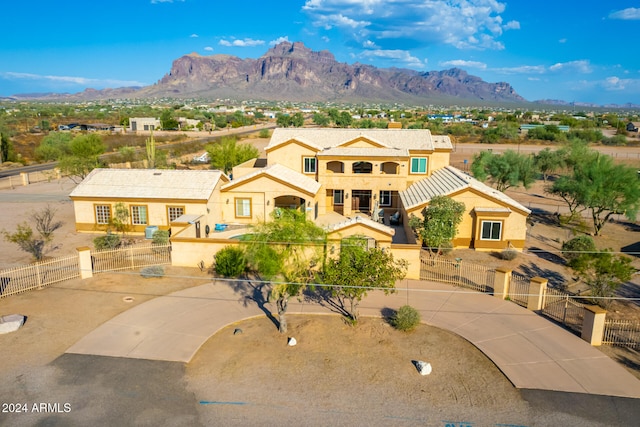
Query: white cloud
279, 40
71, 80
522, 69
581, 66
368, 44
208, 48
613, 83
194, 36
629, 14
247, 42
388, 23
165, 1
401, 56
562, 41
464, 64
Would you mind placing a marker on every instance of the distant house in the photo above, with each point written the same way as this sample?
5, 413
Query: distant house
632, 127
143, 124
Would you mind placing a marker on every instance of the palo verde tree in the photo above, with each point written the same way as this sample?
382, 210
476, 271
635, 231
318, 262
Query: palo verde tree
439, 223
506, 170
359, 270
84, 156
549, 161
285, 250
228, 153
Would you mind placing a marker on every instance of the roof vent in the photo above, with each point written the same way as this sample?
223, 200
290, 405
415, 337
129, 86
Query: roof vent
157, 173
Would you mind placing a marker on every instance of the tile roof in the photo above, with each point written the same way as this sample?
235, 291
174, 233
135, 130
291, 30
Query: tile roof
282, 173
324, 138
448, 180
149, 184
364, 152
360, 220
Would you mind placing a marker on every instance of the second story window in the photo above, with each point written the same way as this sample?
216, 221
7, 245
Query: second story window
418, 165
309, 164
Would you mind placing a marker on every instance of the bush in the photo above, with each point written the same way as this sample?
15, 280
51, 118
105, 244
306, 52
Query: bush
406, 318
230, 262
576, 247
509, 254
108, 241
446, 248
152, 271
160, 237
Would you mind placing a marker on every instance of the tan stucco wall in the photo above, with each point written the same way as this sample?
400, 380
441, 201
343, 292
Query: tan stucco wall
291, 155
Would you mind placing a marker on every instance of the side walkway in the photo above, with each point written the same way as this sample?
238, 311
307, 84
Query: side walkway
530, 350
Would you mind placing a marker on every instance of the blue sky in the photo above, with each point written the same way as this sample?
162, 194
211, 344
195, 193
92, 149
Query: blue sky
563, 49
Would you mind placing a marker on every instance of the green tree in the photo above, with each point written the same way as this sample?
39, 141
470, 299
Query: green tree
228, 153
84, 156
286, 248
320, 119
120, 219
167, 121
358, 270
548, 161
440, 222
230, 261
54, 146
344, 119
504, 170
30, 242
7, 153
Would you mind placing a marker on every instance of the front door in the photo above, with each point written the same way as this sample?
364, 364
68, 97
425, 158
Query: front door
361, 201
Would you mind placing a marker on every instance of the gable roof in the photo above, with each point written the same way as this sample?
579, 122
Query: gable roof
449, 180
149, 184
325, 138
358, 220
282, 174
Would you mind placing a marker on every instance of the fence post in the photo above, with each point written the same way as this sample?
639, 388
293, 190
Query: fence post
84, 262
38, 278
537, 286
593, 324
501, 283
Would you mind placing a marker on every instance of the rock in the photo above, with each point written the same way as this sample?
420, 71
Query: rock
292, 341
11, 323
237, 331
423, 367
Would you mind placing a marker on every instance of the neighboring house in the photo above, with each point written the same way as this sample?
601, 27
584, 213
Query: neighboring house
632, 127
153, 197
143, 124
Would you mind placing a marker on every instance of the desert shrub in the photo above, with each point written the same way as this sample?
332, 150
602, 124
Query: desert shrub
577, 246
446, 248
152, 271
108, 241
230, 262
160, 237
509, 254
264, 133
406, 318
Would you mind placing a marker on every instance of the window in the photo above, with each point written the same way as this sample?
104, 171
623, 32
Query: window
385, 198
243, 208
103, 214
491, 230
309, 164
418, 165
174, 212
139, 215
338, 197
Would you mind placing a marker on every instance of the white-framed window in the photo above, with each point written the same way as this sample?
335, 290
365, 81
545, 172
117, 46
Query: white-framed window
138, 215
338, 197
103, 214
491, 230
243, 208
385, 198
309, 164
174, 212
418, 165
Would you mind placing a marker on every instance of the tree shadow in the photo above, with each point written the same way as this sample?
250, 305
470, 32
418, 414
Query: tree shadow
253, 292
324, 298
547, 256
632, 249
556, 279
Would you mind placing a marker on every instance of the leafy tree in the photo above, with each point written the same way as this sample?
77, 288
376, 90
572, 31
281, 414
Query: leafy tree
504, 170
358, 270
578, 247
7, 153
344, 120
54, 146
548, 161
287, 247
320, 119
601, 270
84, 156
283, 120
228, 153
440, 221
167, 121
120, 219
570, 191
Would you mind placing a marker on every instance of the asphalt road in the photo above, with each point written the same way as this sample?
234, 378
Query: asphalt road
93, 390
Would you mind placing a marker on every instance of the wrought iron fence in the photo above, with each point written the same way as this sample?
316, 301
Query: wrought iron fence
564, 309
621, 332
38, 275
130, 258
519, 289
457, 272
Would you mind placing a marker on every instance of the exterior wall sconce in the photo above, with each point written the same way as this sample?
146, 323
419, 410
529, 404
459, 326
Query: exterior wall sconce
375, 196
227, 201
346, 195
268, 202
308, 204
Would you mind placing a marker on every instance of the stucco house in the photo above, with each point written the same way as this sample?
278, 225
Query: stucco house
153, 197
